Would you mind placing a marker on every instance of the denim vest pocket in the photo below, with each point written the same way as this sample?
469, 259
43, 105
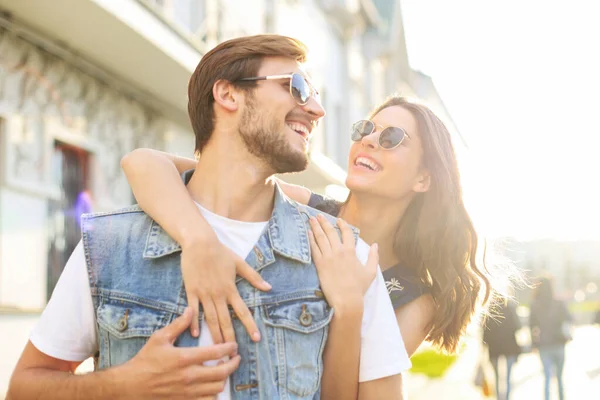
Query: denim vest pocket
297, 332
124, 328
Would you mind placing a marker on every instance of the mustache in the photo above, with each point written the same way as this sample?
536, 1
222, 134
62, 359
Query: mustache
304, 117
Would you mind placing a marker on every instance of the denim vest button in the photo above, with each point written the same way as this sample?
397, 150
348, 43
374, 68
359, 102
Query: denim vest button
123, 322
319, 294
305, 317
247, 386
259, 255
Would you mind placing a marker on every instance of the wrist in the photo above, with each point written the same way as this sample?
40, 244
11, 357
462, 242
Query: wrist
120, 382
350, 308
195, 237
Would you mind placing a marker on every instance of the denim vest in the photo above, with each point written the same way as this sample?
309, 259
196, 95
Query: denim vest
136, 285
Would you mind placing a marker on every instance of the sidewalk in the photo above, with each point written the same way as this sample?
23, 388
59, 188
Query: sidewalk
456, 384
581, 374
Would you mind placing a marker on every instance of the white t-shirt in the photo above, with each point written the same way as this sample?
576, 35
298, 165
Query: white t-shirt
67, 328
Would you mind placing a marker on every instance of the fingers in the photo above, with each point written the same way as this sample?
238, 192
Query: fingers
208, 390
211, 380
225, 321
250, 274
320, 237
231, 365
212, 319
314, 248
199, 355
332, 235
222, 370
172, 331
348, 240
194, 305
245, 316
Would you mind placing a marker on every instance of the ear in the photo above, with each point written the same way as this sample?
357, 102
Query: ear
423, 182
226, 95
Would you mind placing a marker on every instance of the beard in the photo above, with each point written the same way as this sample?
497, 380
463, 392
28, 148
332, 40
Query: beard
264, 138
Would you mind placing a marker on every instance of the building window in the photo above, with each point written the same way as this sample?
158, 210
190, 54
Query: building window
190, 15
70, 172
157, 3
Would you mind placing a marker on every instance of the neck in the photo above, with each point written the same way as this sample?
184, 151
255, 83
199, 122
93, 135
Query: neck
378, 220
232, 183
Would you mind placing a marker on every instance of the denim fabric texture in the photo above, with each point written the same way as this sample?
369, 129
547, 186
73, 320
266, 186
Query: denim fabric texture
137, 288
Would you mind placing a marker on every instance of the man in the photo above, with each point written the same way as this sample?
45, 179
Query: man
252, 110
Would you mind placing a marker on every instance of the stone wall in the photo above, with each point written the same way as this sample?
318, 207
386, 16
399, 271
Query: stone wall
43, 98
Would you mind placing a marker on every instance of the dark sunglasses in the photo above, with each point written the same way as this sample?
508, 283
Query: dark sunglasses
389, 138
300, 88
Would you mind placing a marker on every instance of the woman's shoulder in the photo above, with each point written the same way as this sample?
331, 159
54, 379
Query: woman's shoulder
403, 285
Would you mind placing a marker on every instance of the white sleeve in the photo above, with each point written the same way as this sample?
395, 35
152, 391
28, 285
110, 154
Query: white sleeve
67, 328
382, 351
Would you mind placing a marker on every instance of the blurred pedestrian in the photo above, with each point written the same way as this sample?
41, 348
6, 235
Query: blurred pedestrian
550, 331
499, 334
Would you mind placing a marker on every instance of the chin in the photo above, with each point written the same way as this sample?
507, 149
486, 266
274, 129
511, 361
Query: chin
358, 183
296, 161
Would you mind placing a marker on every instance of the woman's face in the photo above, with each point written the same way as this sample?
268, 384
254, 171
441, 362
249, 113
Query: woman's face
397, 172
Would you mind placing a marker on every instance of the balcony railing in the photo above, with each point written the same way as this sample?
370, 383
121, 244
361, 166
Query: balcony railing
198, 20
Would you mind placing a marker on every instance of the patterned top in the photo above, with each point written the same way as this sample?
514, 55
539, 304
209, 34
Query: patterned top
402, 283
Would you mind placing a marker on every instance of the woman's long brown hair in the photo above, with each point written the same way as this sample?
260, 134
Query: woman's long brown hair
436, 236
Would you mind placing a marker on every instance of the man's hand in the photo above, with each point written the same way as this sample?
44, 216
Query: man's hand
209, 271
162, 371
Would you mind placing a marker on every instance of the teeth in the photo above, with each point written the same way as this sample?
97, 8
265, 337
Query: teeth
299, 128
367, 163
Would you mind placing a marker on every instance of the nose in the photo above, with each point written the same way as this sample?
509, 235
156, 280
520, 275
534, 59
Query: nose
370, 141
314, 108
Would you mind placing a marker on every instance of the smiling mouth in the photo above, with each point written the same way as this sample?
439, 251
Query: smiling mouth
367, 163
299, 129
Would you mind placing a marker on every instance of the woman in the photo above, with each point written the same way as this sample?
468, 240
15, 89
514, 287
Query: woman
549, 321
405, 196
499, 335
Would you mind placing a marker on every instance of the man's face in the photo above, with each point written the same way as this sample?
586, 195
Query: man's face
274, 127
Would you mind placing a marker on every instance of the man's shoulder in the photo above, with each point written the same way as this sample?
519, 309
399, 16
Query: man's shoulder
132, 211
313, 212
119, 220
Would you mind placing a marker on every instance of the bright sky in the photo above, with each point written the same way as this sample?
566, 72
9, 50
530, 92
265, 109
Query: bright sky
521, 79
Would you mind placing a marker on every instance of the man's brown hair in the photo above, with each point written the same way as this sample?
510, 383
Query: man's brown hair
232, 60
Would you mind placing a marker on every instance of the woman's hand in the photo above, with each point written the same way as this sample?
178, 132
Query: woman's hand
209, 272
343, 277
